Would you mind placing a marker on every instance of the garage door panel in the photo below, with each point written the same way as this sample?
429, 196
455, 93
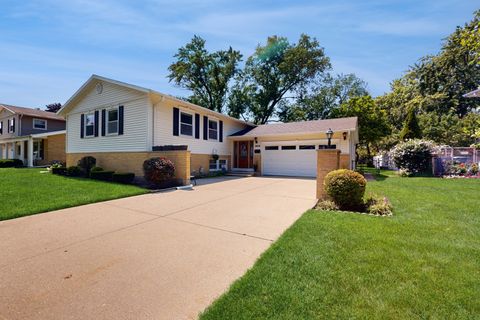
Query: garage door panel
290, 162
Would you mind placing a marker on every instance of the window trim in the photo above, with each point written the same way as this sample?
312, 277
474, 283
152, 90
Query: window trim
92, 113
10, 127
180, 124
217, 130
218, 165
38, 119
107, 121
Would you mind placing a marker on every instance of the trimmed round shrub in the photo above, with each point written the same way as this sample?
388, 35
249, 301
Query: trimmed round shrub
346, 188
158, 170
74, 171
126, 178
414, 156
87, 163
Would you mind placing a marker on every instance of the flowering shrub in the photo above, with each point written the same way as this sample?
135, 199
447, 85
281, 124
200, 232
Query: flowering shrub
413, 155
158, 170
453, 168
378, 206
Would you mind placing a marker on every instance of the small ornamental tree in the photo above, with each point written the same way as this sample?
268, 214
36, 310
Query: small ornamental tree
158, 170
414, 156
411, 128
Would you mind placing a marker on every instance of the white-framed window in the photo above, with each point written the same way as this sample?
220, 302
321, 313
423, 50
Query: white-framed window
186, 124
40, 124
112, 121
212, 129
11, 127
90, 124
218, 165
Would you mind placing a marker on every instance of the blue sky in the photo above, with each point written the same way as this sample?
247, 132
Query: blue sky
49, 48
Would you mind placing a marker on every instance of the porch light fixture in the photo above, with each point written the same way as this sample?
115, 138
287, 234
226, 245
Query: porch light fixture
345, 136
256, 140
329, 136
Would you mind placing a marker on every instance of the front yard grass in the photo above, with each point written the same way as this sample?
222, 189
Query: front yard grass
27, 191
422, 263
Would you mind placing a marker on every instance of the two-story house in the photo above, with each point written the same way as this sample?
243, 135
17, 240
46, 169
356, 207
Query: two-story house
34, 136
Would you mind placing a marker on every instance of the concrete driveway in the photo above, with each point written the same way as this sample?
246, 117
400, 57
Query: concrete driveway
157, 256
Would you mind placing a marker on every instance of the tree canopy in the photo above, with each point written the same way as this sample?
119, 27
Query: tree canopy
207, 75
275, 69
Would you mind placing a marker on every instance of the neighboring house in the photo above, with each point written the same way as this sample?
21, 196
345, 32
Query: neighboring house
34, 136
121, 125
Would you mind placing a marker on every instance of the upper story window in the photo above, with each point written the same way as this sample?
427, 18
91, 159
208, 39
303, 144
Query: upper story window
40, 124
212, 129
90, 125
112, 121
11, 125
186, 124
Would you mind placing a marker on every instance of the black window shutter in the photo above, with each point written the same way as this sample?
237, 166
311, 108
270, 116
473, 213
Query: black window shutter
104, 121
220, 131
205, 128
176, 120
82, 126
121, 120
1, 127
96, 123
197, 126
13, 125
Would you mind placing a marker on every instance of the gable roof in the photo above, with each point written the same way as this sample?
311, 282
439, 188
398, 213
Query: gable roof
32, 112
95, 78
301, 127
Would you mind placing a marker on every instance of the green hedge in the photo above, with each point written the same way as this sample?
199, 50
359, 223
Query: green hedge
59, 170
102, 175
74, 171
123, 177
11, 163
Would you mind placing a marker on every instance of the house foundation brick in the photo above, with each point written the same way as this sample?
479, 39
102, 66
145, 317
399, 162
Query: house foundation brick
202, 161
133, 161
327, 160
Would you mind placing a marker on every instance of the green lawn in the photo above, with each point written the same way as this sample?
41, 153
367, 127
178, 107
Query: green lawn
422, 263
27, 191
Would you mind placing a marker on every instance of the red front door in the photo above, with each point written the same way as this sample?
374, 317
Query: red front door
244, 154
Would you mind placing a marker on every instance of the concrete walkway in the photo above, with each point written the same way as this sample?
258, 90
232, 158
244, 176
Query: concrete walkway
157, 256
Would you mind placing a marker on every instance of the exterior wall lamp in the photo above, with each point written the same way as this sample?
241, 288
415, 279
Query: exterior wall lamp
329, 137
345, 135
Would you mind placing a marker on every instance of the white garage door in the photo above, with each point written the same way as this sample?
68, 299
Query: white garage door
290, 158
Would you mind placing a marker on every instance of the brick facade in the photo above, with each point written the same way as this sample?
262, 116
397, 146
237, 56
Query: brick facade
198, 161
345, 161
133, 161
327, 160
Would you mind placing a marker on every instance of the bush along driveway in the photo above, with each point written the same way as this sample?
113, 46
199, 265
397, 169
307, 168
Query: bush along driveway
28, 191
423, 262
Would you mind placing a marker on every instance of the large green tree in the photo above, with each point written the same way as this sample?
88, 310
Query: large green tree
276, 69
323, 98
206, 74
372, 121
411, 128
435, 87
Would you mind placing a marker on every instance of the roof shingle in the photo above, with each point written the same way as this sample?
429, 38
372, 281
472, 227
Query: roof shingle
340, 124
32, 112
